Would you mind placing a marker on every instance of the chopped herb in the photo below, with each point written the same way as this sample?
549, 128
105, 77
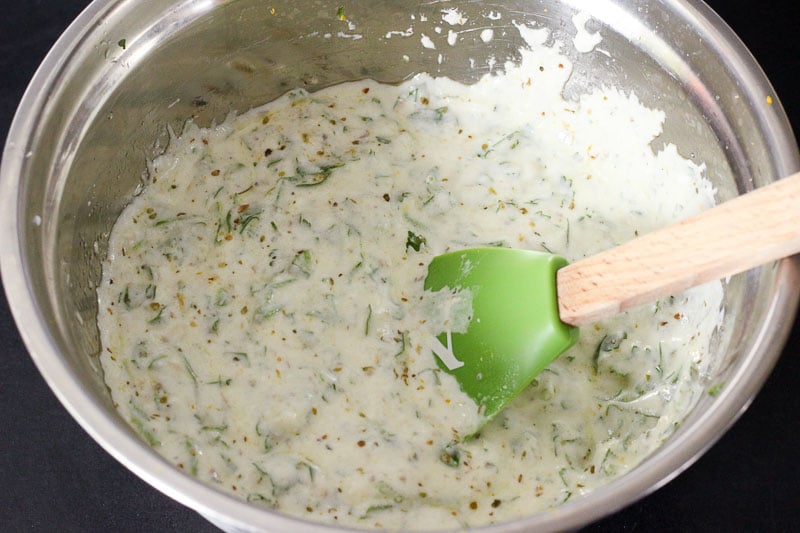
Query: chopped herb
608, 343
311, 469
562, 473
258, 498
193, 452
265, 312
157, 318
303, 262
434, 115
150, 292
125, 298
222, 299
264, 474
246, 190
219, 429
414, 241
165, 221
304, 178
240, 357
190, 370
402, 341
144, 432
390, 492
247, 217
567, 233
152, 364
374, 509
451, 455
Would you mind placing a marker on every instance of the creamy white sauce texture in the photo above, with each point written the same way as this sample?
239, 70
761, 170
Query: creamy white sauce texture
265, 329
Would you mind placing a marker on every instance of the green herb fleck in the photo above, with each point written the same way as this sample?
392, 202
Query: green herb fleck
402, 341
125, 298
222, 299
152, 364
144, 432
303, 262
608, 343
451, 455
150, 292
165, 221
190, 370
312, 469
222, 382
219, 428
157, 318
248, 217
193, 452
434, 115
414, 241
255, 497
240, 357
374, 509
303, 178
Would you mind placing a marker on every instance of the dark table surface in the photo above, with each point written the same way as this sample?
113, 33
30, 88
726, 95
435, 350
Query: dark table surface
53, 477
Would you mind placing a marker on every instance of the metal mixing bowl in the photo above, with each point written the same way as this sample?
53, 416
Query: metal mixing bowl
126, 70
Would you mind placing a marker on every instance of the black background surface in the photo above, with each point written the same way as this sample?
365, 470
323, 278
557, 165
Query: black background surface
53, 477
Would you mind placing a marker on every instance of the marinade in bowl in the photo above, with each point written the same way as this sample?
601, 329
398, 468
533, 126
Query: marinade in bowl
237, 56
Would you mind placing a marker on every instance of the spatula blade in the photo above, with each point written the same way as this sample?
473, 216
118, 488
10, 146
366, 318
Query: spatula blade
514, 331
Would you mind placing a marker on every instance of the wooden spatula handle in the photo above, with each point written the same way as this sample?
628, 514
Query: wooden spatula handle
748, 231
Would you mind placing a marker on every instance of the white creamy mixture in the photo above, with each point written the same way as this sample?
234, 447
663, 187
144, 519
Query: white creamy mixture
265, 329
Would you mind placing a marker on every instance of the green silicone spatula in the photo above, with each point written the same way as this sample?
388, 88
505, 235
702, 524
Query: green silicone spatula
527, 306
